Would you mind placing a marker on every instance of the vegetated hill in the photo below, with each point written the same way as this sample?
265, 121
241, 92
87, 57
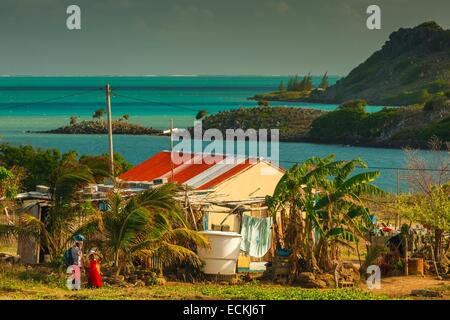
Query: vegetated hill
349, 124
411, 126
412, 66
101, 127
293, 123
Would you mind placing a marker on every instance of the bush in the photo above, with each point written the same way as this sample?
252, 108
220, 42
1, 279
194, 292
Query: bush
341, 123
440, 130
436, 104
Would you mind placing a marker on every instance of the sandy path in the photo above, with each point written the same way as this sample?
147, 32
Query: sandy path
402, 286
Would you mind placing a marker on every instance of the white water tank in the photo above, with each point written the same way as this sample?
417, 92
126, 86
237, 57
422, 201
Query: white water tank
221, 257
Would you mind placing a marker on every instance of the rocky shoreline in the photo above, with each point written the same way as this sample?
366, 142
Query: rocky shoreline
394, 128
100, 127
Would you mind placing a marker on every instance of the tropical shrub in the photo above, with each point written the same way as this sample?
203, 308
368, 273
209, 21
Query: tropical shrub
322, 208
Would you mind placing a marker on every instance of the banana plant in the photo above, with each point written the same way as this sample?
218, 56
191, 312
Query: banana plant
321, 207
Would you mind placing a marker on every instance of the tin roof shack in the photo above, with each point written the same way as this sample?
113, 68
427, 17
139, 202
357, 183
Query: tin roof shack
230, 178
38, 203
35, 203
221, 190
212, 181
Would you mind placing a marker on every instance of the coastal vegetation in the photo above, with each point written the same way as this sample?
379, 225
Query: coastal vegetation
410, 126
99, 126
321, 198
293, 123
296, 89
412, 67
324, 195
130, 232
428, 201
37, 166
349, 124
144, 227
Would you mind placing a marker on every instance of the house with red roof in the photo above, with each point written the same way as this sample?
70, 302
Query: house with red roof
220, 178
230, 178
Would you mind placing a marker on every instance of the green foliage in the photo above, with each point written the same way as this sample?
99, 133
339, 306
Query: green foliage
440, 130
65, 209
350, 122
201, 114
438, 103
295, 84
16, 285
263, 103
292, 122
281, 87
340, 123
38, 163
145, 226
101, 165
98, 114
73, 120
41, 165
323, 195
411, 67
9, 183
324, 82
431, 210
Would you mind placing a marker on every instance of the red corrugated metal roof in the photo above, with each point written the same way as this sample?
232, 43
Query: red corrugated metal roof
161, 165
193, 170
233, 171
150, 169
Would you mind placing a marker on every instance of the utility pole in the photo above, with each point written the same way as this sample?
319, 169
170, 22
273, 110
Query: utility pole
110, 131
397, 220
171, 145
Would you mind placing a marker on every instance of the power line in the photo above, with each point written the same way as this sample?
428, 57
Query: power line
387, 168
20, 105
154, 102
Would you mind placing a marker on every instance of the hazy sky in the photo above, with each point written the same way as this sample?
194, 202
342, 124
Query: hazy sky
138, 37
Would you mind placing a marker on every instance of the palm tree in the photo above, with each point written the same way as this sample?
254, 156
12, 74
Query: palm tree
98, 114
146, 226
67, 213
73, 120
322, 196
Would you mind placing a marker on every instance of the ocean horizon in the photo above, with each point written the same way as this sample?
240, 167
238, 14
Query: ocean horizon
42, 103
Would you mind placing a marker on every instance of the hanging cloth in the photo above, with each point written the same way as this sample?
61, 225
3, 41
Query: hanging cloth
205, 221
256, 235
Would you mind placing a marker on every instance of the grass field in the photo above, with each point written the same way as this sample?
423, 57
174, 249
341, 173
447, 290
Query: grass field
22, 283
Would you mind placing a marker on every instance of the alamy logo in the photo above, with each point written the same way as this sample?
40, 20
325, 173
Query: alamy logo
374, 280
73, 21
74, 280
374, 20
229, 148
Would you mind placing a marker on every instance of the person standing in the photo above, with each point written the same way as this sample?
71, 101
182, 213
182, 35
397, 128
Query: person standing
74, 262
95, 279
77, 254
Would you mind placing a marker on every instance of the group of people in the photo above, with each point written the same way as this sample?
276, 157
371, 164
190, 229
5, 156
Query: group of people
74, 257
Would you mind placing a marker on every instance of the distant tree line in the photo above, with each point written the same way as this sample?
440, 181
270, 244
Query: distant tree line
38, 166
305, 84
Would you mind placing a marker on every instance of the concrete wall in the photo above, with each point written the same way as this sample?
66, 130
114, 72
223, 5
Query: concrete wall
259, 180
28, 249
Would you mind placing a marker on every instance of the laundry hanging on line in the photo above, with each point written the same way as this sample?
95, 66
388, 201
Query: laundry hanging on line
256, 235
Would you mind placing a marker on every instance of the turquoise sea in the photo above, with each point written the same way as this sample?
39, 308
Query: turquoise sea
42, 103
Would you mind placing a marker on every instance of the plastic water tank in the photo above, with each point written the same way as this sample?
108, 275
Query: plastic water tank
222, 254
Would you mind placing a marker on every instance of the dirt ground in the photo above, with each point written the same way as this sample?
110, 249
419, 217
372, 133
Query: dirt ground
402, 286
